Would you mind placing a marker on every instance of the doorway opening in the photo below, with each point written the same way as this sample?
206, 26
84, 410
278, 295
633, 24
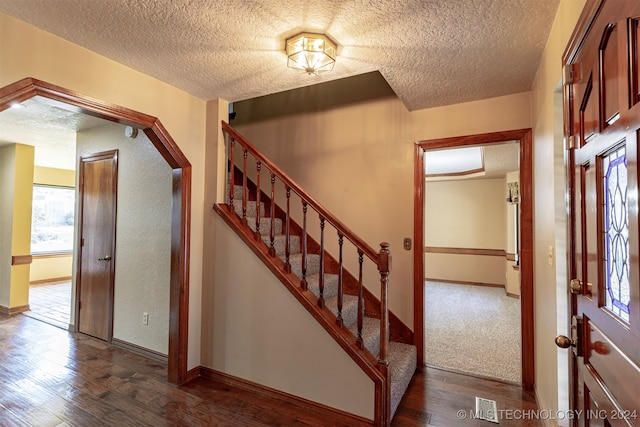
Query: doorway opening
525, 256
472, 286
181, 192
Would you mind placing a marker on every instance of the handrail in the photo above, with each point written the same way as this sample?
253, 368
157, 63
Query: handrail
335, 222
381, 259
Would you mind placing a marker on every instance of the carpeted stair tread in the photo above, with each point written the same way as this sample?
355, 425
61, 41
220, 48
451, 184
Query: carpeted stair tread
313, 263
265, 225
251, 208
280, 243
403, 361
349, 309
370, 334
330, 284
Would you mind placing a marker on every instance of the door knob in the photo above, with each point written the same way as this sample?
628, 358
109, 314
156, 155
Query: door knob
575, 286
105, 258
564, 342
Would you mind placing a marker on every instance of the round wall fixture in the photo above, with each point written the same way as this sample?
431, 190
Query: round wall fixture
130, 132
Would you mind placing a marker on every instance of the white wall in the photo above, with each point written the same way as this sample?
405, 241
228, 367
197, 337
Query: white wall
143, 235
546, 180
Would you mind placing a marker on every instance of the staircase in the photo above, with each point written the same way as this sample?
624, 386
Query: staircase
340, 302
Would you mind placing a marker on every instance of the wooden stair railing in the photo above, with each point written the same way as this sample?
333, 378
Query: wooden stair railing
378, 370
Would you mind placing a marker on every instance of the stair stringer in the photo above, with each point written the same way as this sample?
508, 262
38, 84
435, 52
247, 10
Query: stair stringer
342, 336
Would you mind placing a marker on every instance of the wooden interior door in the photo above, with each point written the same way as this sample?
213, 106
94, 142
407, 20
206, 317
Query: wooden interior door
98, 184
602, 122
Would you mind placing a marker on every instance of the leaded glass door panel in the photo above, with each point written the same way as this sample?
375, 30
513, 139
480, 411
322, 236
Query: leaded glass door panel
602, 119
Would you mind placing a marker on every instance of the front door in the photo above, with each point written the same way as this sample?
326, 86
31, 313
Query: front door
602, 122
98, 183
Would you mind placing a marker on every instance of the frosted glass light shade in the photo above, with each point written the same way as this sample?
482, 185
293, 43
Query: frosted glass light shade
311, 53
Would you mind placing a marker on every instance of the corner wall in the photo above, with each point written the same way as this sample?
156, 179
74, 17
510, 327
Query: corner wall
547, 286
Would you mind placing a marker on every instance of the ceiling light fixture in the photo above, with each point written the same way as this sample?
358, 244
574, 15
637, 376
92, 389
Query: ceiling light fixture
311, 53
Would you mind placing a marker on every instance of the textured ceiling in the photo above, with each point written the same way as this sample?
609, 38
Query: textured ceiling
431, 52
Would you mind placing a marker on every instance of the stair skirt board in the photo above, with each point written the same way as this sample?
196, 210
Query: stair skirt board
402, 357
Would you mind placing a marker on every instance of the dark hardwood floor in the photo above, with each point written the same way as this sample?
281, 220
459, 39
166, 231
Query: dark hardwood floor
50, 377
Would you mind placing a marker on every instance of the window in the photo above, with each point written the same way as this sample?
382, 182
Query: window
52, 217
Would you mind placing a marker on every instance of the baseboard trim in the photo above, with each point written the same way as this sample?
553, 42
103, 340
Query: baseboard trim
469, 374
509, 294
546, 421
52, 280
151, 354
10, 311
192, 374
332, 415
461, 282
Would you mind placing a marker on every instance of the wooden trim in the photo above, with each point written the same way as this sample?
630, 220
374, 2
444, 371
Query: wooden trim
462, 282
151, 354
511, 295
52, 255
181, 212
193, 373
21, 259
524, 136
510, 257
9, 311
332, 416
51, 280
468, 374
464, 251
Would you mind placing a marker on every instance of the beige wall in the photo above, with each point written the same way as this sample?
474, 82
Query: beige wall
364, 154
143, 235
249, 302
469, 214
26, 51
550, 362
52, 266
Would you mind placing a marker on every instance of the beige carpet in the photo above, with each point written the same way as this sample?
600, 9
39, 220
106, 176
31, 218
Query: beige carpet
473, 329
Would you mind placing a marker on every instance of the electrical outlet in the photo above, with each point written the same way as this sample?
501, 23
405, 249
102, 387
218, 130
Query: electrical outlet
145, 318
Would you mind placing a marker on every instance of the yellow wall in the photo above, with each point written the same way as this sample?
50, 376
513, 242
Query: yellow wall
550, 317
17, 188
59, 266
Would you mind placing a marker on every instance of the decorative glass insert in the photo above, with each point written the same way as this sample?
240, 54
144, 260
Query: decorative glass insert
616, 233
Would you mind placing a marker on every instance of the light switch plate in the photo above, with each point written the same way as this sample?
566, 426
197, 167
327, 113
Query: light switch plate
407, 243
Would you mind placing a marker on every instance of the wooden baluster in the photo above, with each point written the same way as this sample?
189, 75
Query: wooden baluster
360, 341
272, 236
245, 154
339, 319
384, 266
321, 275
258, 191
303, 282
232, 171
287, 241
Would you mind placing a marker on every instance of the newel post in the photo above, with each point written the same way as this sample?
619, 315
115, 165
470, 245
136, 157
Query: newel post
384, 267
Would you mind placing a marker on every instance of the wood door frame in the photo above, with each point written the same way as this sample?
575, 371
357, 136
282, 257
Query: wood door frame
524, 137
105, 155
181, 195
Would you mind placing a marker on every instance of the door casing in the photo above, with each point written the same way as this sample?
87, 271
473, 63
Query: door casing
524, 137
